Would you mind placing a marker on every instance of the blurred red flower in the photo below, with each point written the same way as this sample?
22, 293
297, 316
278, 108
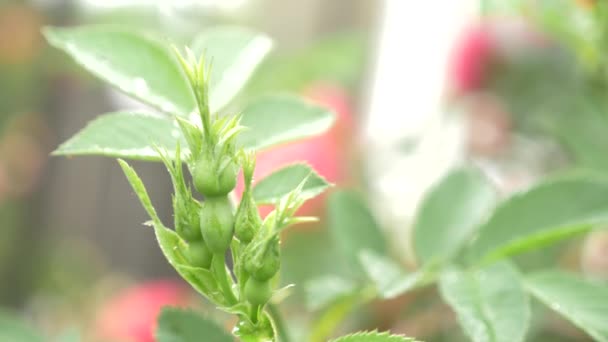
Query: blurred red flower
131, 315
471, 58
326, 153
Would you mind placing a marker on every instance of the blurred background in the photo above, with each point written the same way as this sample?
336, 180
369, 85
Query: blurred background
514, 87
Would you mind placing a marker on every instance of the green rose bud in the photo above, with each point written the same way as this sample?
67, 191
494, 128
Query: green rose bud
214, 178
258, 292
217, 223
186, 219
248, 220
198, 254
263, 259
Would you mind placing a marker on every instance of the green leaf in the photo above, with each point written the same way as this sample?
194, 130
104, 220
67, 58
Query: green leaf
490, 303
234, 54
389, 278
325, 290
549, 212
141, 192
353, 227
178, 325
134, 63
584, 303
450, 213
327, 321
299, 265
199, 278
373, 336
587, 149
272, 188
336, 58
278, 119
272, 120
193, 135
170, 243
13, 329
124, 135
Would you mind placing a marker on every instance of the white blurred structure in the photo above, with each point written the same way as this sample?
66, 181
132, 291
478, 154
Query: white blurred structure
406, 103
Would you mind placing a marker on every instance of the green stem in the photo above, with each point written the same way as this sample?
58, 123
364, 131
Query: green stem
223, 278
278, 324
255, 310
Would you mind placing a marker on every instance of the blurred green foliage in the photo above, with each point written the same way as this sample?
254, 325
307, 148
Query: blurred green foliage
558, 88
338, 58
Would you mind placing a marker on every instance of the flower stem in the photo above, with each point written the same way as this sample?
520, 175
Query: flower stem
223, 278
255, 310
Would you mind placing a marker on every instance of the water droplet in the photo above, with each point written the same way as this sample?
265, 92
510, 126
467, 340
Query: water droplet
140, 87
555, 307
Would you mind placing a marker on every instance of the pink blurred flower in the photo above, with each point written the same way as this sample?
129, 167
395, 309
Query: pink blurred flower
131, 315
471, 58
326, 153
492, 44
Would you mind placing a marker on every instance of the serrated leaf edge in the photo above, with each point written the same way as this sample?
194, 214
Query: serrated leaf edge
375, 333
